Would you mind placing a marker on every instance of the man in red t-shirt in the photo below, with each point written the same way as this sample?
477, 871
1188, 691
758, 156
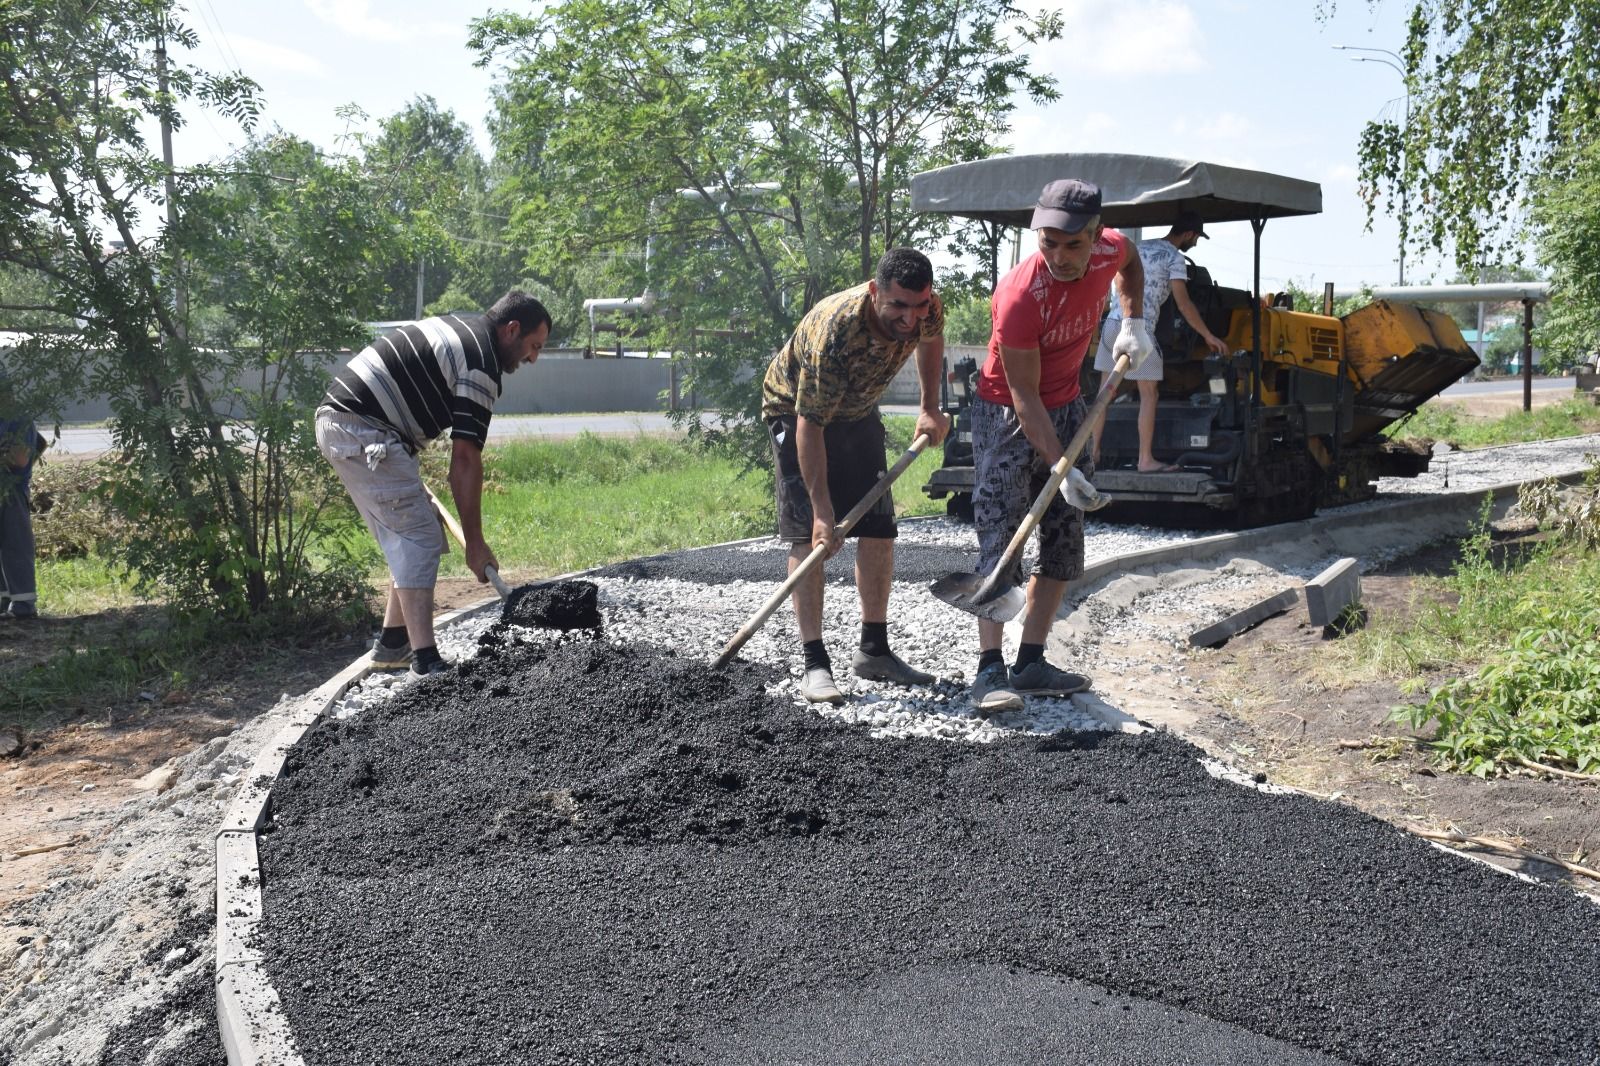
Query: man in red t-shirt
1046, 311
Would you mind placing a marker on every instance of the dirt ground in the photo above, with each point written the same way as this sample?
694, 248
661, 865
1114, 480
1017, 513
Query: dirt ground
69, 780
1283, 718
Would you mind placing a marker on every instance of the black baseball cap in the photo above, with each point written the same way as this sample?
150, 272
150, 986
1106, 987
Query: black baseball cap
1190, 222
1067, 205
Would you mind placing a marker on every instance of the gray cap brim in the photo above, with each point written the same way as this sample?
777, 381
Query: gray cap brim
1055, 218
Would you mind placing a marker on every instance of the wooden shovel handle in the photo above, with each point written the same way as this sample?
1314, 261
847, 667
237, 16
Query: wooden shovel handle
818, 553
1058, 474
454, 527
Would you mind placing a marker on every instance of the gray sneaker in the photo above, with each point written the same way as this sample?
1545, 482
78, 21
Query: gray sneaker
818, 687
391, 658
1041, 679
887, 667
992, 693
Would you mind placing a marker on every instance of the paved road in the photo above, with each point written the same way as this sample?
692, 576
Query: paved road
90, 440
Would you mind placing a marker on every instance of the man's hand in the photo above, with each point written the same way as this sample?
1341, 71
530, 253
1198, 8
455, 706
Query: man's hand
1216, 344
822, 532
936, 424
1080, 492
479, 557
1133, 342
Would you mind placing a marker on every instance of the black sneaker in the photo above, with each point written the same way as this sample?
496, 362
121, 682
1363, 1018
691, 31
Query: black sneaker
1039, 678
432, 666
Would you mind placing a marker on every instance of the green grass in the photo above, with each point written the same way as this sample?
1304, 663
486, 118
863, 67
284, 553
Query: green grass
1502, 657
1442, 421
551, 507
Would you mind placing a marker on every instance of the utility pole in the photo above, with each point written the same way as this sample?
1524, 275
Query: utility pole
1396, 64
180, 292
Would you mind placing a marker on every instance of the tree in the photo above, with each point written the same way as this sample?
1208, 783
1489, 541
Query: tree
1567, 213
737, 162
432, 176
1502, 93
82, 195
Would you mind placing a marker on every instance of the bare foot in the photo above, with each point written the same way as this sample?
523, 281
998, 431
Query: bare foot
1156, 468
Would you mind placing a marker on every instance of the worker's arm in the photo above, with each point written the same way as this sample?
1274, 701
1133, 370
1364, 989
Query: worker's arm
1022, 376
812, 452
466, 488
1191, 315
1130, 283
930, 368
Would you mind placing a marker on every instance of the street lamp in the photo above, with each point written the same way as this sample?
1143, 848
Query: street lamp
1396, 64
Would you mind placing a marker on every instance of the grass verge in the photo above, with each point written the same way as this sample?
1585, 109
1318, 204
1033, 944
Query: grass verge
1503, 655
1442, 421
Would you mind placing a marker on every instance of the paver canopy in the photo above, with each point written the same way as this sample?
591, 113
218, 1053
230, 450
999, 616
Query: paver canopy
1137, 190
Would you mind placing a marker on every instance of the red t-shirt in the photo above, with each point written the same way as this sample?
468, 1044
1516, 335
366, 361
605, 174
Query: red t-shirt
1031, 309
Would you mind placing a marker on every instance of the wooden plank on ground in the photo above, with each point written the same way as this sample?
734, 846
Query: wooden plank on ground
1238, 622
1330, 592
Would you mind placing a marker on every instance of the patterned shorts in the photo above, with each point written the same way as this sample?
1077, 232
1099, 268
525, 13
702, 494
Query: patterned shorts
1009, 475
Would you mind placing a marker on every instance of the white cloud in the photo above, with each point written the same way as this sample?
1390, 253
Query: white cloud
355, 18
1106, 38
254, 54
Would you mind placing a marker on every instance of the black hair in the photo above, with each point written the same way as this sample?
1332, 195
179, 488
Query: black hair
517, 306
906, 267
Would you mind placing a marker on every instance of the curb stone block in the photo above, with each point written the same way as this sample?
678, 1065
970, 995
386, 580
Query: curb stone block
1111, 717
251, 1019
1239, 621
238, 898
1331, 591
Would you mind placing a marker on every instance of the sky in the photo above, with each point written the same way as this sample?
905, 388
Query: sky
1248, 83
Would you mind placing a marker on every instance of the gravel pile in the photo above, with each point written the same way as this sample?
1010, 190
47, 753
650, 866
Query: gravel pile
577, 849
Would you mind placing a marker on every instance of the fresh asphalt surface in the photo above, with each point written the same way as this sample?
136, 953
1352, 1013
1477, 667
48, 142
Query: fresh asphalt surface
572, 851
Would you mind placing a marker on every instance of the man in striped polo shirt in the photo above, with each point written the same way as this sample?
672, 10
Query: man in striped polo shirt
398, 393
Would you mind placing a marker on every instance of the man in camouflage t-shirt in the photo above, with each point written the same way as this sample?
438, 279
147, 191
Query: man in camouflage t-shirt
820, 401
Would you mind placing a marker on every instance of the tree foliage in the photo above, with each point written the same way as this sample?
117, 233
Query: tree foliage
152, 270
739, 161
1501, 94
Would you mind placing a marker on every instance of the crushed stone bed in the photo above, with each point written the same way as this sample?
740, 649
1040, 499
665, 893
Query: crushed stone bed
576, 850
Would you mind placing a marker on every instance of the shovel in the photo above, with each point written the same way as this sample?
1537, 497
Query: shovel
989, 597
818, 553
454, 527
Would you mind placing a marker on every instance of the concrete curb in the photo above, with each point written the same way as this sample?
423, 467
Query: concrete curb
255, 1031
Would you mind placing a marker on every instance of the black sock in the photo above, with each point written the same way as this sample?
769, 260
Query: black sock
816, 654
421, 657
1027, 654
393, 637
990, 658
875, 638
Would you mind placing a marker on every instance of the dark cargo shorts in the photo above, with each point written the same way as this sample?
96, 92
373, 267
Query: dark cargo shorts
855, 464
1008, 477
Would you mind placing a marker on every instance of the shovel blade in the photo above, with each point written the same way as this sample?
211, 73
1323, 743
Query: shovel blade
1001, 603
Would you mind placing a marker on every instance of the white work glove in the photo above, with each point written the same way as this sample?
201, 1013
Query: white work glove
1080, 492
1133, 342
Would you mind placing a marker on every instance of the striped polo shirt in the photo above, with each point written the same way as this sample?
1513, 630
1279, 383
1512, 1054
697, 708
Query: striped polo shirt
423, 378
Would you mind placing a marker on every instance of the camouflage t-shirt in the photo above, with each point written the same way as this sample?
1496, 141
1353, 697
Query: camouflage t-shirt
838, 363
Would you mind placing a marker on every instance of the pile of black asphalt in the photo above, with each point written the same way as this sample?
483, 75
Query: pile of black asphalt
571, 852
